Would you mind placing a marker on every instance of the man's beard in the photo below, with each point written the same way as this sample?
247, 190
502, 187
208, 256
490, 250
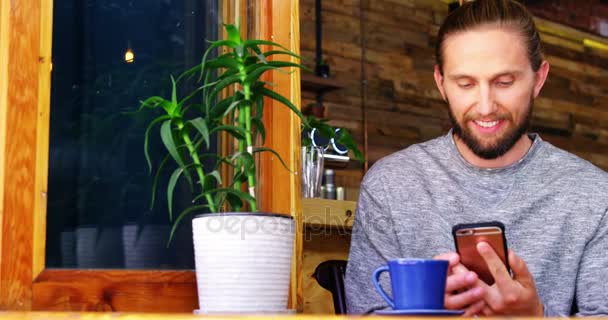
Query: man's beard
503, 143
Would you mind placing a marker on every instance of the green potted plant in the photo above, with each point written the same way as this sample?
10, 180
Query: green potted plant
242, 257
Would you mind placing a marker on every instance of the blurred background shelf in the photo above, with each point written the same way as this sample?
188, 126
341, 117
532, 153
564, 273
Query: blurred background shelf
338, 214
313, 83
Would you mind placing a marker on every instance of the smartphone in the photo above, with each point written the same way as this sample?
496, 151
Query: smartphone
466, 238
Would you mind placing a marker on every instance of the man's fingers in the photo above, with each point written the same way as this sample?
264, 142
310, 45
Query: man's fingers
520, 270
509, 296
474, 309
460, 281
459, 268
494, 299
451, 257
487, 311
462, 300
495, 265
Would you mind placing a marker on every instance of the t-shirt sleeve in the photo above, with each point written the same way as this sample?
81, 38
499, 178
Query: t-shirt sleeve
592, 280
373, 243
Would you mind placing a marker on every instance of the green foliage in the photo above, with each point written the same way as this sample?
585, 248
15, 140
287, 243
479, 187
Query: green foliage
189, 119
344, 137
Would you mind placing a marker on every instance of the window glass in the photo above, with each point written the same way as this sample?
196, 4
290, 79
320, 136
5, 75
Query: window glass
108, 55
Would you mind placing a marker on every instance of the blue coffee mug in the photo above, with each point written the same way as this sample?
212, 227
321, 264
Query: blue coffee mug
415, 283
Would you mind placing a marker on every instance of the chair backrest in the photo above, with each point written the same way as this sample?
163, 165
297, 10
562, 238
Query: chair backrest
330, 275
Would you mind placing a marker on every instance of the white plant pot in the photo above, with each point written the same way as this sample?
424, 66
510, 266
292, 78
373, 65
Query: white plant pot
147, 250
243, 262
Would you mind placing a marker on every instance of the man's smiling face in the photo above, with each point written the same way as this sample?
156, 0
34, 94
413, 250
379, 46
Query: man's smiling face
489, 84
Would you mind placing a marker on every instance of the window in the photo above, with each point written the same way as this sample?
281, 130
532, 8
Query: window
25, 98
108, 56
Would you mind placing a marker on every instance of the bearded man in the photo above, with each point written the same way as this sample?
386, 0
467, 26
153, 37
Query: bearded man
489, 167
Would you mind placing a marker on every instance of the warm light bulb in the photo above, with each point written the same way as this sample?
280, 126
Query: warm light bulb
129, 56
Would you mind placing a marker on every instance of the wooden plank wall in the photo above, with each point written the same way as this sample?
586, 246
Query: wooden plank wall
404, 107
585, 15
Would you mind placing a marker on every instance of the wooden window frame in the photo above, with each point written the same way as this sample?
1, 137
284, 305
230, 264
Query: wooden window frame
25, 283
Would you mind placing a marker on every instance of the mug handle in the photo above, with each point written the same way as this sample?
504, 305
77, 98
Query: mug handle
376, 280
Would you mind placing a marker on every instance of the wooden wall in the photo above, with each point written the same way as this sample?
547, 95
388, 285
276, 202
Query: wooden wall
404, 107
586, 15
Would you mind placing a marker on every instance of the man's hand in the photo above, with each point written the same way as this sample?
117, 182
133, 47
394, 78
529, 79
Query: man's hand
515, 296
462, 290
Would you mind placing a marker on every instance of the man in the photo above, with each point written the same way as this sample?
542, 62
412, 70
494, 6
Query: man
488, 167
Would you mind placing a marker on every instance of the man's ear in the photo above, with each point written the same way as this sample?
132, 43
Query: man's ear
541, 77
439, 81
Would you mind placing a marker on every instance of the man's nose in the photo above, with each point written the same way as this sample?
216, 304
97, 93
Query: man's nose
486, 103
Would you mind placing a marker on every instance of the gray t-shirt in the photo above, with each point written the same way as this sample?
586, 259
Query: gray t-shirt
554, 206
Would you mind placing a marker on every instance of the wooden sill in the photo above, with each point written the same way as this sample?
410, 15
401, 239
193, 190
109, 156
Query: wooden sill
328, 213
115, 290
183, 316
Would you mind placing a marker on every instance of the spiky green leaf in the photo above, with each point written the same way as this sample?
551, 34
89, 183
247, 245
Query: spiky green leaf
195, 92
275, 96
214, 45
272, 65
218, 111
171, 187
251, 43
234, 34
231, 107
216, 174
246, 160
147, 139
235, 202
189, 73
257, 72
212, 180
223, 61
259, 100
265, 149
238, 132
259, 129
166, 135
173, 108
276, 52
221, 86
200, 125
181, 216
155, 181
243, 195
254, 72
152, 102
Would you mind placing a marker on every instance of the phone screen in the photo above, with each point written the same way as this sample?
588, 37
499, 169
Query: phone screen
468, 236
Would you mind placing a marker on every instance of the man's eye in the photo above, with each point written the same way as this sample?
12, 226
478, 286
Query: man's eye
465, 85
505, 83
